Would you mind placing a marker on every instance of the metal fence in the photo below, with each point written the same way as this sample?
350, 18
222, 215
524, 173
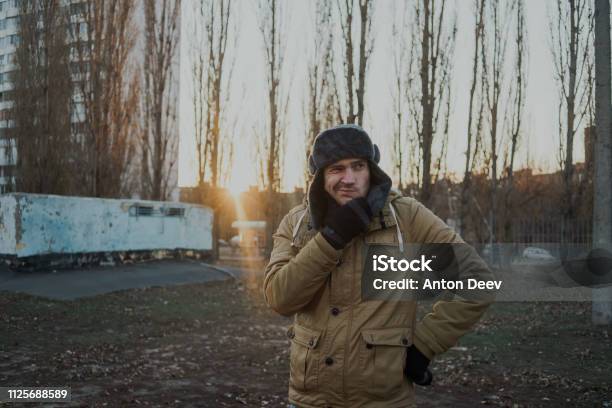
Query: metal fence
532, 230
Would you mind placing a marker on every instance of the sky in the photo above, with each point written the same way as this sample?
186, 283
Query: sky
246, 100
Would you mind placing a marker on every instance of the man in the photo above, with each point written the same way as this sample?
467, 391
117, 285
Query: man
347, 351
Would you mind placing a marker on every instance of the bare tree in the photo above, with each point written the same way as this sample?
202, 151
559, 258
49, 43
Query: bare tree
322, 98
202, 84
159, 136
217, 35
42, 101
108, 88
440, 168
429, 77
210, 69
479, 7
493, 51
270, 26
517, 93
399, 51
355, 79
571, 30
270, 19
211, 82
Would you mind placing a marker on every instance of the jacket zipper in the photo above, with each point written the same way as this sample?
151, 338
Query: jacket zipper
350, 321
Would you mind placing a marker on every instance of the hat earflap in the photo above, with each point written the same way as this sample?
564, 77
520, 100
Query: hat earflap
311, 165
375, 154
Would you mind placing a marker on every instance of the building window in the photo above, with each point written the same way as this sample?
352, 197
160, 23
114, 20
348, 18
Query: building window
12, 22
6, 96
77, 8
174, 211
5, 135
143, 210
5, 114
79, 128
7, 171
6, 77
6, 59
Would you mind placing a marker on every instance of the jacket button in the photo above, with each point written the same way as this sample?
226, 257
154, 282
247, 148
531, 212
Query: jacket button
311, 342
335, 311
339, 262
329, 361
369, 346
405, 341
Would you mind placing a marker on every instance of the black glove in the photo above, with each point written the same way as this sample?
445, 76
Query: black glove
442, 256
416, 367
343, 223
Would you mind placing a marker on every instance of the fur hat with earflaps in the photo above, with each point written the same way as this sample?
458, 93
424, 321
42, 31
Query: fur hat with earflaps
338, 143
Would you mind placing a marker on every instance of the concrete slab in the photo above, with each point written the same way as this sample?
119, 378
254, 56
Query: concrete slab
78, 283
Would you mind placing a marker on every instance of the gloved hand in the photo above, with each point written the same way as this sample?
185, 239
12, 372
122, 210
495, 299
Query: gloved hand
416, 367
442, 256
343, 223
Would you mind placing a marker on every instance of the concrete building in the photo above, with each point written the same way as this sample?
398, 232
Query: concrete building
9, 16
9, 38
38, 231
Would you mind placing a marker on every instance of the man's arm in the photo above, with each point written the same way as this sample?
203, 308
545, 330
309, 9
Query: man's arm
292, 280
449, 320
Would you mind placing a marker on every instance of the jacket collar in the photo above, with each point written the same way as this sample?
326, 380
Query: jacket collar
384, 218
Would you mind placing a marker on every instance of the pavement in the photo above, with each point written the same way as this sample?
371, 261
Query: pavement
85, 282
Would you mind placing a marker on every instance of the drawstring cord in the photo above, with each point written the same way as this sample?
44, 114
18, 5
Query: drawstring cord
297, 227
397, 228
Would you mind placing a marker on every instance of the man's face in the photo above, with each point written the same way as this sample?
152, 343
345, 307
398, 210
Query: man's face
347, 179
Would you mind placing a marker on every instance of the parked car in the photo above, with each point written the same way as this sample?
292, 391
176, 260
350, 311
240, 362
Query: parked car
235, 241
537, 254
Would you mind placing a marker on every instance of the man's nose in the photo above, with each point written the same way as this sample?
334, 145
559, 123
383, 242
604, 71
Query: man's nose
348, 177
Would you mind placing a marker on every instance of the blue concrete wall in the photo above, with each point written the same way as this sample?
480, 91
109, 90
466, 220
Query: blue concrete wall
7, 224
32, 224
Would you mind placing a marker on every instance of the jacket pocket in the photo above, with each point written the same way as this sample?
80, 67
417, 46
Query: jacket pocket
383, 359
303, 368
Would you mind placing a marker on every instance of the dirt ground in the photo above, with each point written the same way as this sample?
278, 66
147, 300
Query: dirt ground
218, 345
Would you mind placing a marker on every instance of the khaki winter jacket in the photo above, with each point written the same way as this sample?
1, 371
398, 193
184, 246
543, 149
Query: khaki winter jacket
346, 352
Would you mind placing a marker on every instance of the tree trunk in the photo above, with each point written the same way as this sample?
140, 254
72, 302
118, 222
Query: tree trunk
465, 187
602, 211
426, 103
